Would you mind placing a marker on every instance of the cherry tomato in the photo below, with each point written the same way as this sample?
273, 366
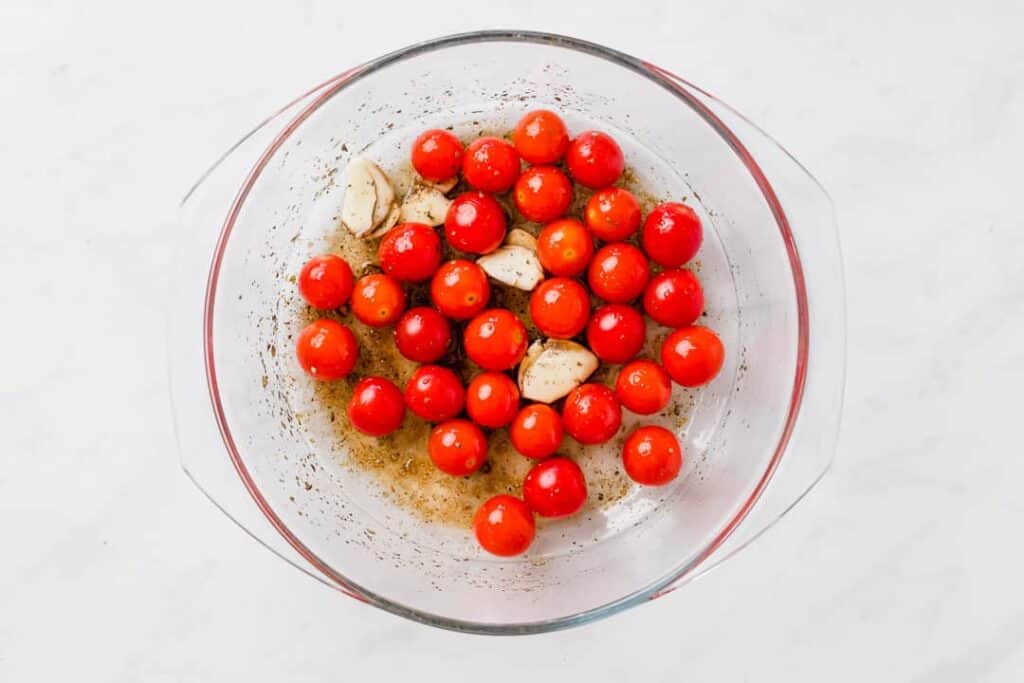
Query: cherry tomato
612, 214
410, 252
618, 273
435, 393
591, 413
436, 155
643, 387
674, 298
565, 247
326, 350
536, 431
555, 488
541, 137
595, 159
423, 335
326, 281
378, 300
495, 340
377, 407
504, 526
475, 223
460, 289
692, 356
652, 456
490, 164
492, 399
560, 307
543, 193
457, 447
672, 234
616, 333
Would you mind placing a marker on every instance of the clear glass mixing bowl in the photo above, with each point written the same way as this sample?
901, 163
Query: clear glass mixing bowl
757, 438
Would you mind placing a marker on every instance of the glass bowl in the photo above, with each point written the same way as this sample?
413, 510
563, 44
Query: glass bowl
755, 440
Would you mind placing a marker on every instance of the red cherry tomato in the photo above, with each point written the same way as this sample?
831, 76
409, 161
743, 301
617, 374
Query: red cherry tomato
543, 193
475, 223
504, 526
536, 431
643, 387
492, 399
616, 333
560, 307
495, 340
591, 414
618, 273
460, 289
436, 155
541, 137
490, 164
652, 456
565, 247
672, 234
378, 300
435, 393
410, 252
692, 356
377, 407
326, 281
326, 350
612, 214
595, 159
423, 335
457, 447
674, 298
555, 488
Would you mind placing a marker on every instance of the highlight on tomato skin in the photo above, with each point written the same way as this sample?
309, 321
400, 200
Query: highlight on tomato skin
555, 487
490, 165
410, 252
504, 526
591, 414
492, 399
435, 393
475, 223
674, 298
378, 300
541, 137
543, 193
616, 333
595, 160
457, 447
436, 155
672, 234
565, 247
326, 350
643, 387
613, 214
536, 432
326, 281
560, 307
652, 456
377, 407
495, 340
618, 273
692, 356
423, 335
460, 289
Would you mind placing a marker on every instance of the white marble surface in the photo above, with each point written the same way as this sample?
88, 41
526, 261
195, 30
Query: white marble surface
905, 565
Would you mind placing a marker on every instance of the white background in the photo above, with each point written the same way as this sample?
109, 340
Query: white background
905, 565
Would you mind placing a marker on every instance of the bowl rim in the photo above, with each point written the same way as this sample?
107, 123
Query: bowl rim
660, 77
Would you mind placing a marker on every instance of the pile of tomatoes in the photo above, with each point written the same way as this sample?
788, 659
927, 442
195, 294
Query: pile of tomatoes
583, 259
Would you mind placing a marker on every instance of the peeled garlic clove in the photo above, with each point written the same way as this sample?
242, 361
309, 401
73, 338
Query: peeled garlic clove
425, 204
389, 222
514, 266
553, 368
445, 186
360, 202
385, 193
520, 238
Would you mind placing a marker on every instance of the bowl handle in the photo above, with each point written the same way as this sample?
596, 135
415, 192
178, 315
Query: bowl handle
201, 217
811, 216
